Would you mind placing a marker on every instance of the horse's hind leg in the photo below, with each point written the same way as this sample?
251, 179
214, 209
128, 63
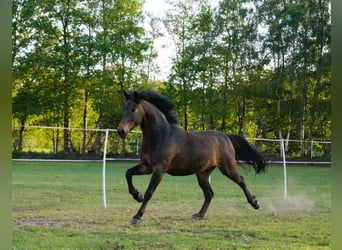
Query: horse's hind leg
203, 181
136, 170
230, 170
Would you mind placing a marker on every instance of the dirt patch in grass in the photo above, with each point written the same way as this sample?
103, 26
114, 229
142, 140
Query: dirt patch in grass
48, 222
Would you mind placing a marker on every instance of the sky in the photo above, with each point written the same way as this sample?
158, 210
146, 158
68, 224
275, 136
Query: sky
163, 44
157, 7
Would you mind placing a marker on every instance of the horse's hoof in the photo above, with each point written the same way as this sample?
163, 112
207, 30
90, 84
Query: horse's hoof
139, 197
197, 216
134, 222
256, 205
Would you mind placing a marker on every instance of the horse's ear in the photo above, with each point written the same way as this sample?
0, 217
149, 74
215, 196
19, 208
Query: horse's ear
126, 94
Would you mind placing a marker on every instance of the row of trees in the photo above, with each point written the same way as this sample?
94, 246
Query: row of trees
258, 68
71, 59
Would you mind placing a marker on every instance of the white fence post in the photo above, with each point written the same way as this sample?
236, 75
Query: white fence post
284, 165
104, 170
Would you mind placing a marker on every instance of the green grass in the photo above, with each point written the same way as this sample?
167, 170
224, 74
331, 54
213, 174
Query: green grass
59, 206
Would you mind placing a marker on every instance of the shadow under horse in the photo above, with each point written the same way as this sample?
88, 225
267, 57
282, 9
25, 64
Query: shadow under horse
168, 149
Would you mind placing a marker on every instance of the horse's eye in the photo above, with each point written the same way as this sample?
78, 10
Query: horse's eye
133, 110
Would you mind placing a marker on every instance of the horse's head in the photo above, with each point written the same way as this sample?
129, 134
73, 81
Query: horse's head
132, 114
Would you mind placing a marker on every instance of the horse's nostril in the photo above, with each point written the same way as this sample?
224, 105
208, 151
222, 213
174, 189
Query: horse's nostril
122, 133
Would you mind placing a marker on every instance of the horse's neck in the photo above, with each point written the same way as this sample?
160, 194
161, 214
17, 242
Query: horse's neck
154, 121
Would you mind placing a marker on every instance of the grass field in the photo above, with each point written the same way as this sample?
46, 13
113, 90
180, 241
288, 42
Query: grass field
59, 206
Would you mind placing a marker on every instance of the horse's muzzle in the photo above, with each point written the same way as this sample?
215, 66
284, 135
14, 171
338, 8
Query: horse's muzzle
122, 133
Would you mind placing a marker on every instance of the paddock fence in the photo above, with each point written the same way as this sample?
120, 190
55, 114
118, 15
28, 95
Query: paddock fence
49, 143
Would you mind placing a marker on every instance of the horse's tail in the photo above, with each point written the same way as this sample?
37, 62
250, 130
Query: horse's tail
244, 151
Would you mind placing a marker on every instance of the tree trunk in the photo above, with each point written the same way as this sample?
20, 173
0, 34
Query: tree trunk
223, 123
66, 132
241, 115
302, 131
288, 133
302, 120
21, 133
97, 143
85, 125
203, 105
55, 140
185, 116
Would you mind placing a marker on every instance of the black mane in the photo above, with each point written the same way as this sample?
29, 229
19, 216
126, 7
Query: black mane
164, 104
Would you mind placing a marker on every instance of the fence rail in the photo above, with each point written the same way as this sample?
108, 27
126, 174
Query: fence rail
45, 142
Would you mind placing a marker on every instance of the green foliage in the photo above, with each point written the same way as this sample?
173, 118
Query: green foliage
71, 61
258, 68
253, 67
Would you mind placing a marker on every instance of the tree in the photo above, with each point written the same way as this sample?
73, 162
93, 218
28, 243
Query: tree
181, 81
121, 43
250, 67
21, 11
298, 37
237, 51
204, 66
66, 51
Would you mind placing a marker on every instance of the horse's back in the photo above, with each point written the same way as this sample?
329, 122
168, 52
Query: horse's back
199, 150
209, 138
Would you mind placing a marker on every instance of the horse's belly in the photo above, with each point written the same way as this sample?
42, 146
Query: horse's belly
180, 171
181, 166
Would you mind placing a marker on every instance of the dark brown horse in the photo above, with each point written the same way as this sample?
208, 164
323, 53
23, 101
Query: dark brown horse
168, 149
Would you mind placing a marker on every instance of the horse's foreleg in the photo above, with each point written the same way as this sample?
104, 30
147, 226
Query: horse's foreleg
155, 180
136, 170
203, 181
